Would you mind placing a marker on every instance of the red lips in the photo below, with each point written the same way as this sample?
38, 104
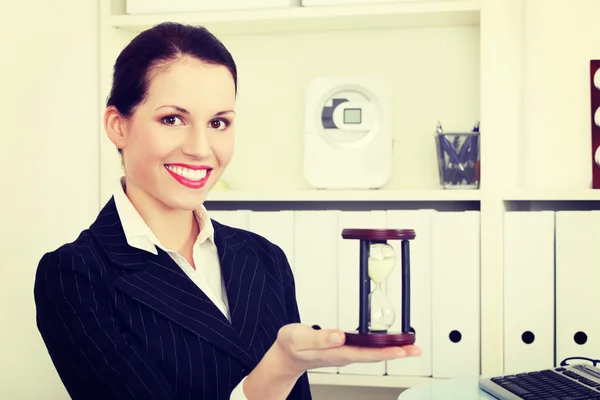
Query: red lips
188, 182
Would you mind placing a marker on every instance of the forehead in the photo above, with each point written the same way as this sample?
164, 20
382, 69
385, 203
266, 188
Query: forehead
193, 85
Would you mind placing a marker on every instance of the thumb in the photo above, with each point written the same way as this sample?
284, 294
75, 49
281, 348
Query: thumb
323, 338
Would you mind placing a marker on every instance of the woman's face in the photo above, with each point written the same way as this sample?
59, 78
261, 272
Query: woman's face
179, 141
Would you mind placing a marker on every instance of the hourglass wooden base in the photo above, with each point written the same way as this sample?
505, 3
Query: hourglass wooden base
363, 337
374, 339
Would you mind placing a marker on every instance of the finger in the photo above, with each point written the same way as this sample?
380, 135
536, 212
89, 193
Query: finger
345, 355
352, 354
385, 353
402, 351
307, 338
412, 350
392, 352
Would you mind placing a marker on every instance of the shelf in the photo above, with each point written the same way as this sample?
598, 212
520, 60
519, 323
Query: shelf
307, 19
344, 195
318, 378
553, 195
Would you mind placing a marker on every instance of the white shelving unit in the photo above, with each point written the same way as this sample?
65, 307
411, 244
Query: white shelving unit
457, 61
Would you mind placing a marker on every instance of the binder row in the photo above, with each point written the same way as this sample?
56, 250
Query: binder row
551, 294
445, 288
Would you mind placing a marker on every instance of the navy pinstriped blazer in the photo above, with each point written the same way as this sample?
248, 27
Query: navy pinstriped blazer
121, 323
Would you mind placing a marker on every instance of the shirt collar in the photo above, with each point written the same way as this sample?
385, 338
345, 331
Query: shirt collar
139, 235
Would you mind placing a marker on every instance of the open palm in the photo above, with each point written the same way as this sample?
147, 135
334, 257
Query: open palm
310, 348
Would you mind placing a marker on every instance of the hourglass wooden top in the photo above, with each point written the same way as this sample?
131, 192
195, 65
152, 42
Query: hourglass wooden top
379, 234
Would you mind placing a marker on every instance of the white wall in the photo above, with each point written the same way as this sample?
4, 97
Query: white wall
560, 38
48, 135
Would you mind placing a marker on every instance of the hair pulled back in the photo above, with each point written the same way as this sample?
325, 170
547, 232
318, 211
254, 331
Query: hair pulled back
158, 47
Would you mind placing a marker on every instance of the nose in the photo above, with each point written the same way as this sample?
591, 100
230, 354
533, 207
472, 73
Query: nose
197, 144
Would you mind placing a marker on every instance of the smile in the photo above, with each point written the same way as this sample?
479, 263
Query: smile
193, 177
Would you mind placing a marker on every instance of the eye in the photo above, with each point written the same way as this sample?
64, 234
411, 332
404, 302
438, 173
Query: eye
219, 124
171, 120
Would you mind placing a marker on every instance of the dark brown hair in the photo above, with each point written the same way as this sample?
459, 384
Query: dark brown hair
158, 46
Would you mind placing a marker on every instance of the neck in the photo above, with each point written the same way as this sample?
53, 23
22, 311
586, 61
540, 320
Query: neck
175, 229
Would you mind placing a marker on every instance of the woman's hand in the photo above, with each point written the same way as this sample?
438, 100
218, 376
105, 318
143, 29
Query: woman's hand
299, 348
304, 348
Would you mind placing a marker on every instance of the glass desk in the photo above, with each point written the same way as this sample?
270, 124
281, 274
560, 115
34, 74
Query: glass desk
450, 389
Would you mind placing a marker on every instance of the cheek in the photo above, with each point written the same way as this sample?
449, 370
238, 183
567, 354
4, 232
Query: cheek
152, 145
222, 148
145, 151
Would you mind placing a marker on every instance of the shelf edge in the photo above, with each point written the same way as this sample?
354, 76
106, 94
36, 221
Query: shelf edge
553, 195
444, 12
386, 381
344, 195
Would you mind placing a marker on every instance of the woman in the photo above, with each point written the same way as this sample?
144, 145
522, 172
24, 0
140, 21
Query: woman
155, 300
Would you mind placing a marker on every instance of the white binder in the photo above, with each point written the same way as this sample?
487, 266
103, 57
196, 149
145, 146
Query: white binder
316, 269
277, 227
528, 291
577, 280
348, 278
455, 294
233, 218
420, 283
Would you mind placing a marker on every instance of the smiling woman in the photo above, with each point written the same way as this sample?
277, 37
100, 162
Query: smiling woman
174, 126
155, 300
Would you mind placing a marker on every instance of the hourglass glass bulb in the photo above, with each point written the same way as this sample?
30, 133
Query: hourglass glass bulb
382, 259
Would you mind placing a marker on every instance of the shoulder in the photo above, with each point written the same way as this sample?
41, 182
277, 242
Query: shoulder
271, 254
85, 252
75, 261
79, 249
253, 241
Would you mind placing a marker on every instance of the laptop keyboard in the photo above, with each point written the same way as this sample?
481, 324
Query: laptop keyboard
549, 385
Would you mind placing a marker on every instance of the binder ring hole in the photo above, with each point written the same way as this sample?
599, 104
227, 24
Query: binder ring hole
580, 337
455, 336
527, 337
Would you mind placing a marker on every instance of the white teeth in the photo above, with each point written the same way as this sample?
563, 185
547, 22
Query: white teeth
191, 174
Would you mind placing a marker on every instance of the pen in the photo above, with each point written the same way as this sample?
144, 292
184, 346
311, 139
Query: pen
440, 150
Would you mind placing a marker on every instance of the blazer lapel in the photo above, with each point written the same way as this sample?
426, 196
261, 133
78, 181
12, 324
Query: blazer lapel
164, 287
159, 283
244, 278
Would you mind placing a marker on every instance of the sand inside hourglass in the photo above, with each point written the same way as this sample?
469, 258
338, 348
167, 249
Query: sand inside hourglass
382, 314
380, 268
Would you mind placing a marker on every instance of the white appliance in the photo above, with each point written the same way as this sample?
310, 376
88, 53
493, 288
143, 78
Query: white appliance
348, 133
178, 6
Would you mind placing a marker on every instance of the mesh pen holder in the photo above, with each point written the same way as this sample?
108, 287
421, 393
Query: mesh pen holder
458, 159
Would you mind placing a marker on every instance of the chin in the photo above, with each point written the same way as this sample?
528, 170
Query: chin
185, 202
185, 199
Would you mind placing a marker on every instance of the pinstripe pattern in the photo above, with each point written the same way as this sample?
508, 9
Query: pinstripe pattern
122, 323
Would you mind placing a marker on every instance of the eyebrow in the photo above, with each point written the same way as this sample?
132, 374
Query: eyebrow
184, 111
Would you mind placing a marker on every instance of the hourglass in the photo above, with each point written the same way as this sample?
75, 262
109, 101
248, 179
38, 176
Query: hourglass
376, 311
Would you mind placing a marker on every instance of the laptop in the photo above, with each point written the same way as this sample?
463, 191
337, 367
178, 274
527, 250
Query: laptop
572, 382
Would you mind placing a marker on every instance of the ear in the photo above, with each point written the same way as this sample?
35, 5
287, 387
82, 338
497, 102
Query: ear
115, 126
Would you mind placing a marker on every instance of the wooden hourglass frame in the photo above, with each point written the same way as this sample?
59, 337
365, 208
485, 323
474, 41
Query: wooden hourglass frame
364, 336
